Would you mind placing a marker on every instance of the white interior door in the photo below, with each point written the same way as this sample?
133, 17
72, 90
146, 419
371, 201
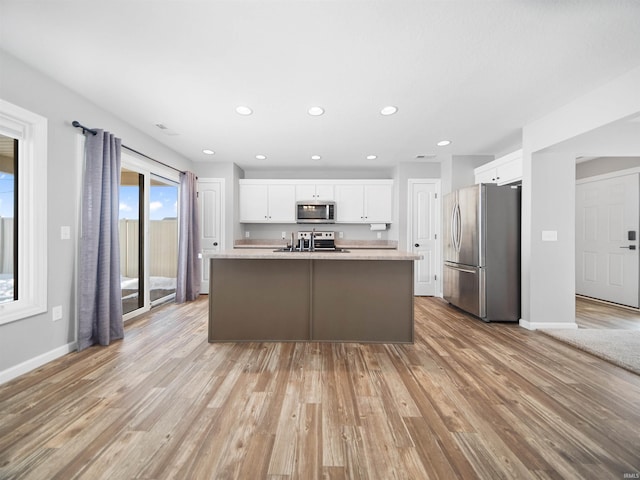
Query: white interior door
607, 217
211, 209
423, 234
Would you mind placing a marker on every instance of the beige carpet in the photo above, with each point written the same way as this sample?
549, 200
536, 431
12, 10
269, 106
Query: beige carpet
620, 347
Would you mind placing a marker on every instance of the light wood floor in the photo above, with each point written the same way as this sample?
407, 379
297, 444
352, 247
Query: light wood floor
595, 314
467, 400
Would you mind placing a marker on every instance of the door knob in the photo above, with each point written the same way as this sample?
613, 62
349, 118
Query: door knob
417, 245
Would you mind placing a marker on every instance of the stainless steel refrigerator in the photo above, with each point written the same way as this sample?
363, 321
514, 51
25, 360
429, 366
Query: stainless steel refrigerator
482, 251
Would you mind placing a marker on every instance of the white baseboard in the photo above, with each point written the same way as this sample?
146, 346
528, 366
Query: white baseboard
547, 325
33, 363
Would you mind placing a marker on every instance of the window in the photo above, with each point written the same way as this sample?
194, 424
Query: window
8, 217
23, 181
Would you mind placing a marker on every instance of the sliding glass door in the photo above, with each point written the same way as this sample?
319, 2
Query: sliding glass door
148, 235
132, 202
163, 239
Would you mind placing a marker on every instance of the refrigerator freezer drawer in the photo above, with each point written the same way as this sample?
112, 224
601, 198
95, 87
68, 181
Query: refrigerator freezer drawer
464, 287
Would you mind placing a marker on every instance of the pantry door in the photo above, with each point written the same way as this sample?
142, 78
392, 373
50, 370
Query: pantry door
607, 221
423, 224
211, 214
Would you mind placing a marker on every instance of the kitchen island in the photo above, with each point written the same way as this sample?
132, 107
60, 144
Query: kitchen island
349, 296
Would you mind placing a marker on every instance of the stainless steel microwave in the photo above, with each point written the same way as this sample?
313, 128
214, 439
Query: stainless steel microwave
315, 212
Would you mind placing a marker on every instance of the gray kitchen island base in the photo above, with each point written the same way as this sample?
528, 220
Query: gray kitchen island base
311, 299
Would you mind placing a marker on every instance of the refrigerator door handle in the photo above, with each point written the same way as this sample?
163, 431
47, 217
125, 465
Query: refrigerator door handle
460, 269
453, 227
457, 227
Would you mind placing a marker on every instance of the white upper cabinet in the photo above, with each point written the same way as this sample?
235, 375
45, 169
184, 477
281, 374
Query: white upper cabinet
263, 202
350, 203
378, 200
314, 191
503, 170
364, 202
357, 201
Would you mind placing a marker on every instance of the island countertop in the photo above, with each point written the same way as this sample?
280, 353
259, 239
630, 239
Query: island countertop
355, 254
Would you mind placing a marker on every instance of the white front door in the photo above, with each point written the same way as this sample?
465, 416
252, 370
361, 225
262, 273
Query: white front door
424, 219
210, 205
607, 218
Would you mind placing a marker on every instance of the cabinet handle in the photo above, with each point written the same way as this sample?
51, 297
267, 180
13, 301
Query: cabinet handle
215, 244
416, 245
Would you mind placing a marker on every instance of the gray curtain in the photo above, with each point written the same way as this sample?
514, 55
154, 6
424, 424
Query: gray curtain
189, 270
100, 295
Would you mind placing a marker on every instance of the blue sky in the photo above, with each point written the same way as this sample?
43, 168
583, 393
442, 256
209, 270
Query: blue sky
6, 194
162, 202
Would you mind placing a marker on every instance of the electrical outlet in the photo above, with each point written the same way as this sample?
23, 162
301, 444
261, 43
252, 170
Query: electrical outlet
284, 235
247, 234
56, 312
340, 234
379, 234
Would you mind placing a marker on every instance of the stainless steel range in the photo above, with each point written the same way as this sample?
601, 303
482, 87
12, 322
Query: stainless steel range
314, 241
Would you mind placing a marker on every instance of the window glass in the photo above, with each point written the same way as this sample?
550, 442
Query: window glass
163, 238
23, 213
131, 240
8, 219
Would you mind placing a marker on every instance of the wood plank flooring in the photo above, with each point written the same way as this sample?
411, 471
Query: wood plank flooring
467, 400
592, 313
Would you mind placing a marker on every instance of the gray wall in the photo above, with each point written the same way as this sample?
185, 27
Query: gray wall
24, 340
552, 275
550, 146
602, 165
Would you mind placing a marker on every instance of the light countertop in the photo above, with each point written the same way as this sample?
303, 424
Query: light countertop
356, 254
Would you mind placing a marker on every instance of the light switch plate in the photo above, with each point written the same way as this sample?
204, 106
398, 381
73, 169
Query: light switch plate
56, 312
65, 232
549, 235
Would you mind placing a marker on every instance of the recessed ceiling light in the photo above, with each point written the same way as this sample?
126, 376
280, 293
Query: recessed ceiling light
315, 111
242, 110
389, 110
206, 151
315, 157
444, 143
261, 157
371, 157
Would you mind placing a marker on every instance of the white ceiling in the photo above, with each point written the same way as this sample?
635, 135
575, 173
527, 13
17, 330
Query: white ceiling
470, 71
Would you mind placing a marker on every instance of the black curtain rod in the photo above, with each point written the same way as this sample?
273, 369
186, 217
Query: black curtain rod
77, 124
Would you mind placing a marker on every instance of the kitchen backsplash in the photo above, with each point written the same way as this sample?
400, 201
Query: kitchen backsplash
349, 232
